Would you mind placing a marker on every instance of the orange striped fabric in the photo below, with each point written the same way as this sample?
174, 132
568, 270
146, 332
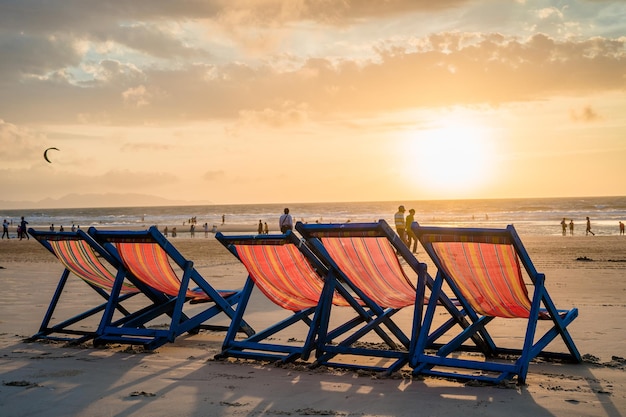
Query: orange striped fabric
372, 265
284, 275
78, 257
488, 276
150, 263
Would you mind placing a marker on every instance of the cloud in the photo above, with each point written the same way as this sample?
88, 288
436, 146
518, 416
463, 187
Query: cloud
137, 96
19, 144
144, 146
148, 62
287, 115
213, 175
586, 114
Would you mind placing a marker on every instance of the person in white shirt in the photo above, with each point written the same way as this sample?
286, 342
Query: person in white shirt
285, 222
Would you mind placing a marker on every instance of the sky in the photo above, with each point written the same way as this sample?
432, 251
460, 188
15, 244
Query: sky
272, 101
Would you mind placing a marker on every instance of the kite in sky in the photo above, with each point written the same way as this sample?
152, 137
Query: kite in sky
45, 154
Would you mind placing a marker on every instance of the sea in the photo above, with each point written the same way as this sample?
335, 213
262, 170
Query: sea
530, 216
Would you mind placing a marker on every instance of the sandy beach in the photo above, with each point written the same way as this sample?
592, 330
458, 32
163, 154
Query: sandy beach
183, 379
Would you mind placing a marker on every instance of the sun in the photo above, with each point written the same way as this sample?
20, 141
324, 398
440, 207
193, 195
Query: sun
451, 161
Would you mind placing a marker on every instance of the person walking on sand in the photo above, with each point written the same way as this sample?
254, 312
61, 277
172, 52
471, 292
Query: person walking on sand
571, 227
400, 224
23, 231
588, 229
564, 226
285, 222
410, 236
266, 229
5, 229
621, 228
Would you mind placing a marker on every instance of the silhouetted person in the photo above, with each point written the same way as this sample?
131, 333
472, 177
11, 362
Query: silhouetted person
571, 227
5, 229
410, 236
285, 222
588, 229
400, 224
23, 231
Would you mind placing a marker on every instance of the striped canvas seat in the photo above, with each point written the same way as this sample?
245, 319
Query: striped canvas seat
150, 263
283, 274
372, 265
79, 257
484, 269
487, 275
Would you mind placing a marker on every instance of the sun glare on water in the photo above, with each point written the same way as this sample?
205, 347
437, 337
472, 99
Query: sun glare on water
451, 161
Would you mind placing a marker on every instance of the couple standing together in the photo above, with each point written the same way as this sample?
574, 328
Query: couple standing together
403, 227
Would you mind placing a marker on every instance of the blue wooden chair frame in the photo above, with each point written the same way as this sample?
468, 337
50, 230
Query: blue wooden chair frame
134, 331
263, 344
495, 367
398, 344
67, 330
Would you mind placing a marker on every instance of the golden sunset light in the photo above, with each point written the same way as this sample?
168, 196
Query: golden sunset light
243, 102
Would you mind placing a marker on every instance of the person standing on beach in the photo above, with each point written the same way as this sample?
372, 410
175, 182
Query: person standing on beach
5, 229
588, 230
400, 224
260, 228
285, 222
564, 226
410, 236
23, 231
206, 230
571, 227
266, 230
621, 228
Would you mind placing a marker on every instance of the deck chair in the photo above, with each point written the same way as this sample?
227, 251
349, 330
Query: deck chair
289, 276
482, 268
157, 264
365, 259
82, 257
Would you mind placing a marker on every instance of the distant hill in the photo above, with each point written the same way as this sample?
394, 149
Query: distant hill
98, 200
